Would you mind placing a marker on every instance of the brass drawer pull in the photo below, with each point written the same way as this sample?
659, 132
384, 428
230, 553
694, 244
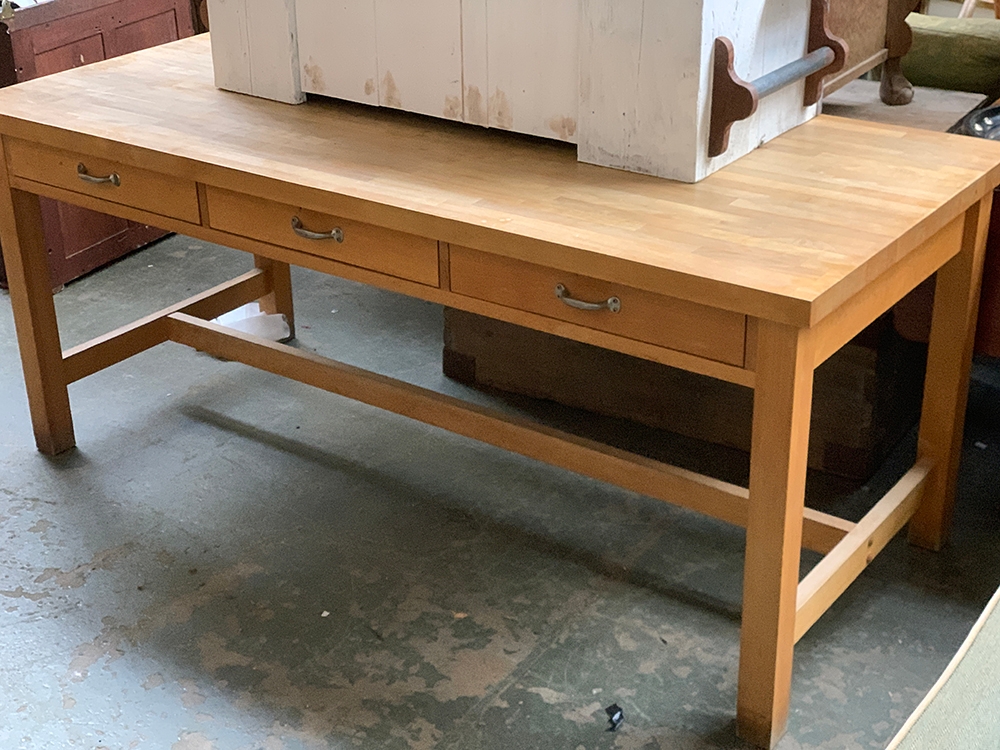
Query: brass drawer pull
611, 303
112, 178
334, 234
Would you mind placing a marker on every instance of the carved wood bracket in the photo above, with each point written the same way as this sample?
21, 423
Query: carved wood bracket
819, 37
734, 99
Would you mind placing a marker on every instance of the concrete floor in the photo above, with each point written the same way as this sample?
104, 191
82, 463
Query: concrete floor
230, 560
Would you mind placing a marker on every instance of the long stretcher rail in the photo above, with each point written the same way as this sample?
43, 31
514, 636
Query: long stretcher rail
185, 323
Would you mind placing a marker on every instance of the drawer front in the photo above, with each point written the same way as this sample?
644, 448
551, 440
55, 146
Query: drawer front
138, 188
665, 321
387, 251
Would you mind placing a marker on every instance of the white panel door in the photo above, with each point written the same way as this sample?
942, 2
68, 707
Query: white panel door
419, 45
337, 51
533, 51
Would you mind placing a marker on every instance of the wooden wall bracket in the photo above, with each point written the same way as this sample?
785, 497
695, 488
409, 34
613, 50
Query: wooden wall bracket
734, 99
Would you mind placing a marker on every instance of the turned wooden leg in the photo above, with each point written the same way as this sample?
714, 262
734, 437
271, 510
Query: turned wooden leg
280, 298
779, 448
895, 89
35, 318
946, 388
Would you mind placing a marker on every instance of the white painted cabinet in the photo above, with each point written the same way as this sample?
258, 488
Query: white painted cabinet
628, 81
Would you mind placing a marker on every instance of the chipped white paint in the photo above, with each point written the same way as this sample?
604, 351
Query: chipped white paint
628, 81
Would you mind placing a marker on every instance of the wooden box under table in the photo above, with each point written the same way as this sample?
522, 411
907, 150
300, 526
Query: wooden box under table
865, 397
62, 34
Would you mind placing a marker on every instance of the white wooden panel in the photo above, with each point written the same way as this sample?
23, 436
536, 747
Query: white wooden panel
533, 66
254, 49
230, 44
274, 50
420, 56
766, 34
640, 72
337, 48
475, 72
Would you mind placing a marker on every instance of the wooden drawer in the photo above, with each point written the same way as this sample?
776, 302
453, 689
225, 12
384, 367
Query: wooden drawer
387, 251
139, 188
672, 323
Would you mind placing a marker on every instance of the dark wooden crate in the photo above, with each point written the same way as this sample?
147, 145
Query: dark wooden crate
988, 326
865, 397
63, 34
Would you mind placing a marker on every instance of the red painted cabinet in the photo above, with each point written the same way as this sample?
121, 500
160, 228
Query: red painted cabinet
62, 34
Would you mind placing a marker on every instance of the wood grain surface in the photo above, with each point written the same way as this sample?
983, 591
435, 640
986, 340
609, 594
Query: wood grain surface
787, 233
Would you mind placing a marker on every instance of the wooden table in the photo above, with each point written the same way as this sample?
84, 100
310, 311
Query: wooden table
755, 275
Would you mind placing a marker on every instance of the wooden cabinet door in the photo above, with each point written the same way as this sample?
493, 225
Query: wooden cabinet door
136, 33
72, 55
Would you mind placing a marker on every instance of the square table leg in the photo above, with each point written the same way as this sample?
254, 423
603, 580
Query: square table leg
279, 301
946, 387
35, 318
778, 453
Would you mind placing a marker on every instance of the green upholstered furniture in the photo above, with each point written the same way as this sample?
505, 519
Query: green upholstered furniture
958, 54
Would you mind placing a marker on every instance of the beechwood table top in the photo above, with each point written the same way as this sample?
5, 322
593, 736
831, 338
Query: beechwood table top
788, 232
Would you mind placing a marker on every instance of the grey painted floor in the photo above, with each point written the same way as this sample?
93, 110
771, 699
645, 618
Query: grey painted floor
230, 560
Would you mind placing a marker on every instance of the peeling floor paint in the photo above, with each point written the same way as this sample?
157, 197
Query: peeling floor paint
193, 741
41, 526
76, 577
20, 593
